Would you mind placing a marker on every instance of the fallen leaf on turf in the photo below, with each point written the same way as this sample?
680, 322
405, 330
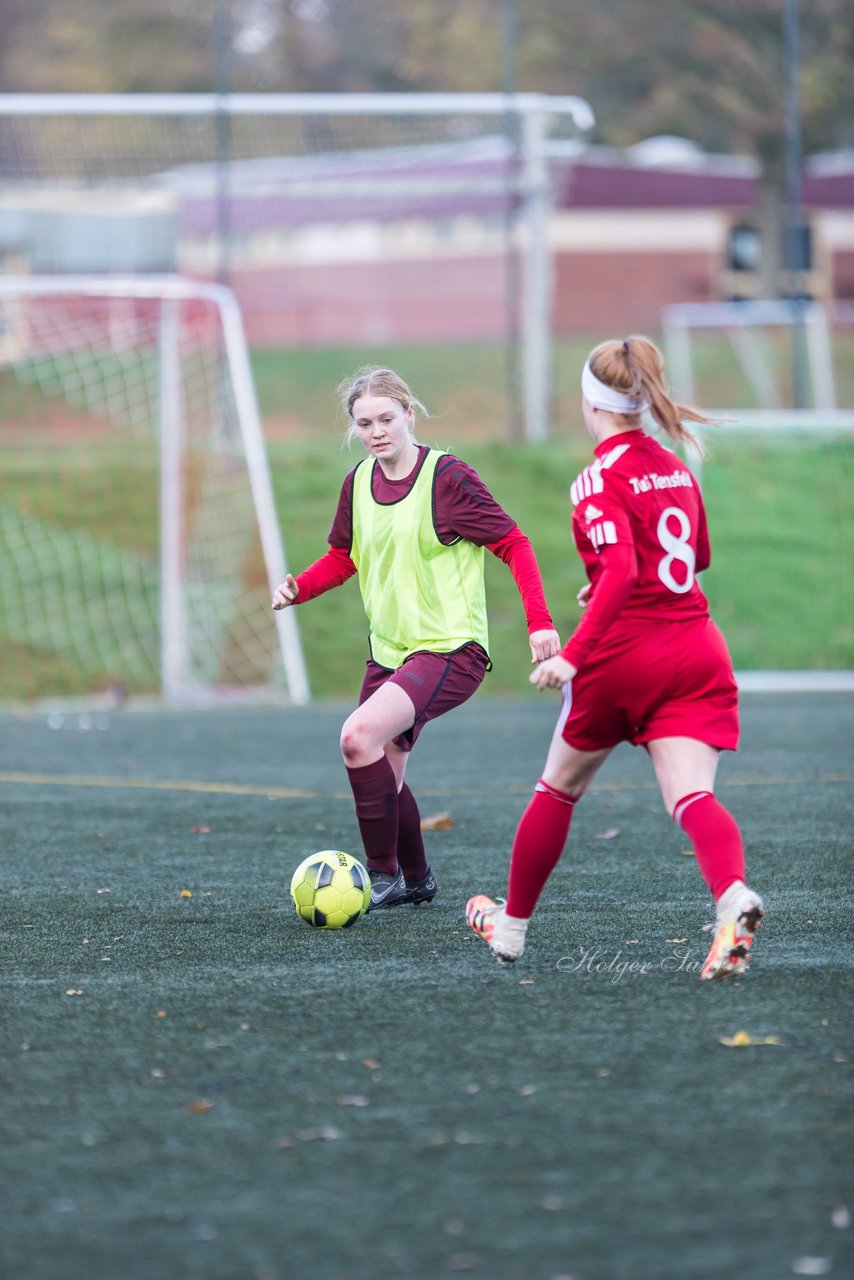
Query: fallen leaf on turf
609, 834
808, 1266
676, 939
199, 1107
186, 893
352, 1100
687, 853
74, 991
741, 1039
161, 1013
200, 830
327, 1134
437, 822
371, 1064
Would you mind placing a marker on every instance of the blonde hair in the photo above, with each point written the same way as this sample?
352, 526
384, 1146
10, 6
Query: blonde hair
636, 368
371, 381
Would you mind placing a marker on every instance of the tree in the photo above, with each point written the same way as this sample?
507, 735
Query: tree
711, 70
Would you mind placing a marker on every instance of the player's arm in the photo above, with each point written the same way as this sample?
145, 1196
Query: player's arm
329, 571
466, 509
619, 573
332, 569
614, 584
515, 550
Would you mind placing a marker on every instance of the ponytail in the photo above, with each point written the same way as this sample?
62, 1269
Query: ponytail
635, 367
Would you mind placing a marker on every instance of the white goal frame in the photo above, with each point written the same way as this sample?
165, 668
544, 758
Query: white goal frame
170, 290
532, 113
737, 320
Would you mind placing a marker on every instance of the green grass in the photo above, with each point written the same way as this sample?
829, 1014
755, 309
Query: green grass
233, 1096
465, 387
780, 509
781, 519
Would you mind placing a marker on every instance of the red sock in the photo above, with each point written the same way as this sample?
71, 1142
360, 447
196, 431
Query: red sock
539, 842
410, 843
714, 833
375, 793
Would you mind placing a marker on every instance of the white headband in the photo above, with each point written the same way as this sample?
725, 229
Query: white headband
601, 396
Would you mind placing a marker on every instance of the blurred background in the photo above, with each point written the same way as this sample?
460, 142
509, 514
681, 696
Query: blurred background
473, 192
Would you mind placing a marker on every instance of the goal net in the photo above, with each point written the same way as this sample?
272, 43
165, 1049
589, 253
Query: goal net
776, 483
138, 534
340, 220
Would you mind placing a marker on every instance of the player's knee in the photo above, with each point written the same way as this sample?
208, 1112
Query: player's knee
356, 743
563, 788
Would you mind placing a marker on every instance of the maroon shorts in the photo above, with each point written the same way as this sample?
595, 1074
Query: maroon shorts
674, 681
435, 683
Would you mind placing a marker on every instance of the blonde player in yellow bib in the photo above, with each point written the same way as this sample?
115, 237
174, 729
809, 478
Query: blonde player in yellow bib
413, 523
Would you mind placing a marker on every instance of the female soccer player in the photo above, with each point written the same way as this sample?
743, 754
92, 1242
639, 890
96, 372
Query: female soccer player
413, 522
646, 664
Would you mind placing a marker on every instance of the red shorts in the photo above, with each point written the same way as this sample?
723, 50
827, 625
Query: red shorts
435, 683
673, 681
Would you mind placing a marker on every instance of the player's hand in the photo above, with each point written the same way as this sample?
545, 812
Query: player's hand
544, 644
583, 596
554, 673
286, 594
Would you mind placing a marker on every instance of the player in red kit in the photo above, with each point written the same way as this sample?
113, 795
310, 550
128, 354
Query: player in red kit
646, 664
413, 522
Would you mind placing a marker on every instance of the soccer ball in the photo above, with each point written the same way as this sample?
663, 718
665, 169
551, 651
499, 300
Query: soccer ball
330, 890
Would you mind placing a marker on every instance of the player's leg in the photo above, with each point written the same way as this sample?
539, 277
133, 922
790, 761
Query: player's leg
436, 683
421, 885
385, 714
685, 770
537, 846
544, 826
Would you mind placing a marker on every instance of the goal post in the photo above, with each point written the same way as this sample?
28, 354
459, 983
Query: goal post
750, 329
139, 538
373, 218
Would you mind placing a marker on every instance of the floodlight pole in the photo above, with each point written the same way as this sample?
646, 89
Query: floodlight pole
795, 243
222, 86
537, 293
510, 26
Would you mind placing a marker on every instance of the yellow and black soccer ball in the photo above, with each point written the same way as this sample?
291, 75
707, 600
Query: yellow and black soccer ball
331, 890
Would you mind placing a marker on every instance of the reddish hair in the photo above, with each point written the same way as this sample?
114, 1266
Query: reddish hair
636, 368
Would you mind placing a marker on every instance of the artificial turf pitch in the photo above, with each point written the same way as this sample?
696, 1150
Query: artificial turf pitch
202, 1087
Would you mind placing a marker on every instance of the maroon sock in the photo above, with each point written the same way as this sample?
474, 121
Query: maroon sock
539, 842
714, 833
410, 845
375, 793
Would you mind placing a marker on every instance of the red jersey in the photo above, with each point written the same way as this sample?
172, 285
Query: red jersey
640, 528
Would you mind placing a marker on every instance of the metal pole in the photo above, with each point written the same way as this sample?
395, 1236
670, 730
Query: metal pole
222, 85
537, 293
173, 621
511, 257
795, 243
